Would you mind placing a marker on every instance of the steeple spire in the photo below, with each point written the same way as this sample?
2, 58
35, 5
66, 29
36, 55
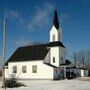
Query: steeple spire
55, 21
55, 32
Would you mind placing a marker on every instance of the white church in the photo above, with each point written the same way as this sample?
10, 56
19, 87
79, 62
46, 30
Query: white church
43, 61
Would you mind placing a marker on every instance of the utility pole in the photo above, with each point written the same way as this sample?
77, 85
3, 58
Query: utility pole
4, 52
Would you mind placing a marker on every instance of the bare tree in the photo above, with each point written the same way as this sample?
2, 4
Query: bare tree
82, 58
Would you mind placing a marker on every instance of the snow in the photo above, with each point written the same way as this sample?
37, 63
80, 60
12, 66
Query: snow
75, 84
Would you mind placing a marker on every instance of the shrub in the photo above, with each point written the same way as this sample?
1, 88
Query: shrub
0, 73
13, 82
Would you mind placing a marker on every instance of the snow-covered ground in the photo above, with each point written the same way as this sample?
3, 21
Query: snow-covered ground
74, 84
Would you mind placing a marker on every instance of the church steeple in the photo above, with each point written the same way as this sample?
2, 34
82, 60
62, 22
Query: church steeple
56, 52
55, 32
55, 21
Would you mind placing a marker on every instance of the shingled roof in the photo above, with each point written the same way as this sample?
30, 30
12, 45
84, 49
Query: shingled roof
34, 52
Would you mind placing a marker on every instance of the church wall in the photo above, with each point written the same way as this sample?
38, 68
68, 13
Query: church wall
58, 73
80, 72
43, 71
54, 52
7, 73
59, 54
47, 58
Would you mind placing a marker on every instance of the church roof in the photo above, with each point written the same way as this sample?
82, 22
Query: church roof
50, 65
33, 52
67, 62
55, 21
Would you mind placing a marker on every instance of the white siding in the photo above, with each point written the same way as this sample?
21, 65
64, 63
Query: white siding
6, 73
57, 52
47, 58
43, 71
54, 52
81, 72
84, 73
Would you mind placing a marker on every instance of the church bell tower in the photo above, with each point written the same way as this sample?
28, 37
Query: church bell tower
57, 51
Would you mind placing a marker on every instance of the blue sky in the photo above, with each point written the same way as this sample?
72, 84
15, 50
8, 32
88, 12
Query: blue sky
31, 20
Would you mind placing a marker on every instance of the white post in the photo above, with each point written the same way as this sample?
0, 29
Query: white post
64, 72
70, 71
4, 52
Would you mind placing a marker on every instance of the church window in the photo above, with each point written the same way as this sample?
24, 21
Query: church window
14, 69
53, 59
56, 70
61, 58
34, 69
53, 37
24, 69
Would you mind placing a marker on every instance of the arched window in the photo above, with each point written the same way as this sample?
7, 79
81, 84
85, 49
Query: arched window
61, 58
53, 59
53, 37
